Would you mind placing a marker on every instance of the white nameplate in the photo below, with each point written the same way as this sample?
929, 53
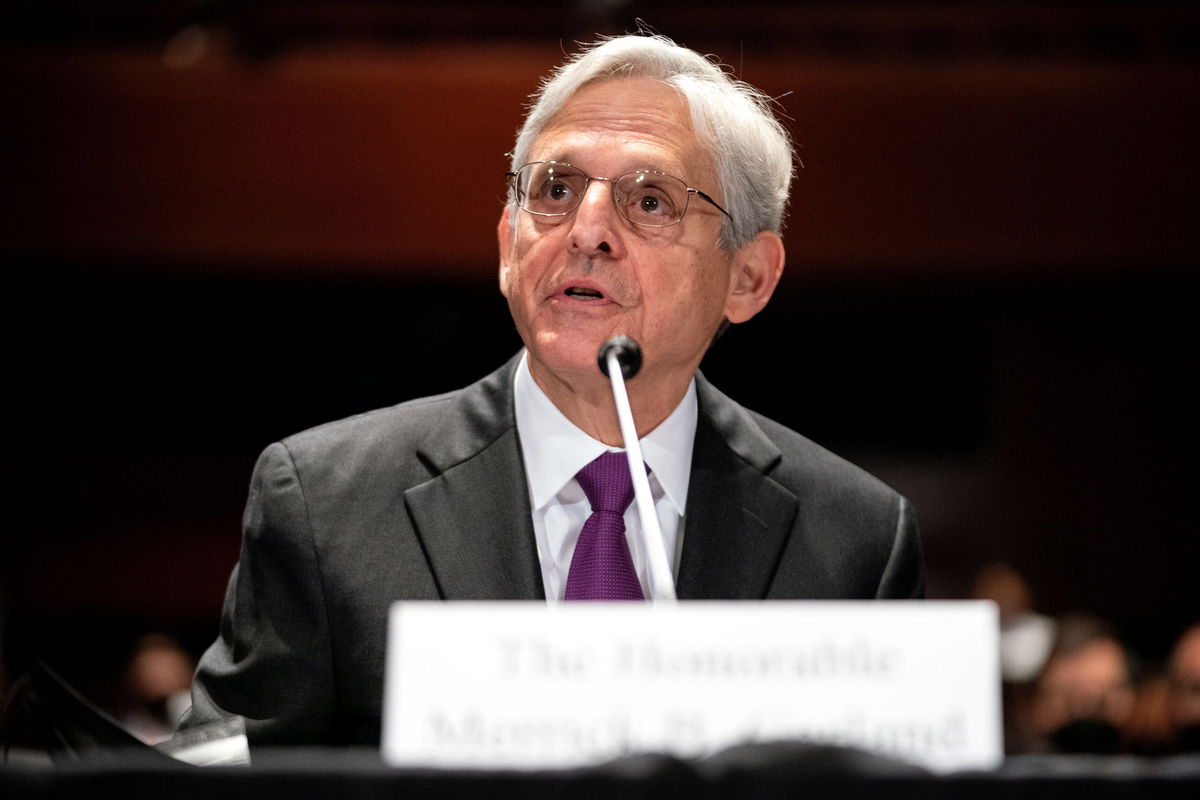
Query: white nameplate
526, 685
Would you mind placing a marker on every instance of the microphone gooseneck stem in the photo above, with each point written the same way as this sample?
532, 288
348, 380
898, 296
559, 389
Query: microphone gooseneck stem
662, 585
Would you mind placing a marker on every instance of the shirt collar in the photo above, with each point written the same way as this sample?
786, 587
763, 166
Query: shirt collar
555, 449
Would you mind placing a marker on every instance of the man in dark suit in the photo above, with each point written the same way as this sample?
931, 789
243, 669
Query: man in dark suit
646, 198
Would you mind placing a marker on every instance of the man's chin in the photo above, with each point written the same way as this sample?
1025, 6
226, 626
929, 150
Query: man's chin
569, 362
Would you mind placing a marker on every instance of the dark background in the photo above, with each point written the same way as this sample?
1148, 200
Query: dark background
223, 222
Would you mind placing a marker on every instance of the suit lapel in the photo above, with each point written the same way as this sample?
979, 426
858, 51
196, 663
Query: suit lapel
738, 519
472, 516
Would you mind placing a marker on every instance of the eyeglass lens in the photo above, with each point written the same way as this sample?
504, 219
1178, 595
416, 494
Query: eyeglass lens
649, 198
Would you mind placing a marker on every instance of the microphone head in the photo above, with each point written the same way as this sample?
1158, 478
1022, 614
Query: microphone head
629, 355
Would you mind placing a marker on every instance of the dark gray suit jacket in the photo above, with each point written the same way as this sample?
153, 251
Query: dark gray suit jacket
428, 500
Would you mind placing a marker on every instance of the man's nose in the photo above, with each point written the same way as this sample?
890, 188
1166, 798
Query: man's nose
597, 227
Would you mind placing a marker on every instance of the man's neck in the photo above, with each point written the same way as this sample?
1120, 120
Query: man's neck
587, 401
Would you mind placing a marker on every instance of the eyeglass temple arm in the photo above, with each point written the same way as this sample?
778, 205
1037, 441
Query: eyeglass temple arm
711, 202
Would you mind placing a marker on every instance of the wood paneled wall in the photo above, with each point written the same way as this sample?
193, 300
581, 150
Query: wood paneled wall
377, 160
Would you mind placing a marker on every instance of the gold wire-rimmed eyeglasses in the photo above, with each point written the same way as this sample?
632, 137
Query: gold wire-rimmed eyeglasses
645, 197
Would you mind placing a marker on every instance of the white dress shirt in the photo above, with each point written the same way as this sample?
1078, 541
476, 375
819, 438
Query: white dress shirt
554, 450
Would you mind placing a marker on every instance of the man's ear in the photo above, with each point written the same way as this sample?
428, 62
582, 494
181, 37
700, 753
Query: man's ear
756, 268
504, 234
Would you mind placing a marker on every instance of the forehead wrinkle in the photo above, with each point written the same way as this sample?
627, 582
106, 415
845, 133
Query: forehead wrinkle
632, 163
638, 150
653, 134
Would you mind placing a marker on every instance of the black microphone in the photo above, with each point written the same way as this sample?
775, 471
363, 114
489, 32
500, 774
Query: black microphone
629, 355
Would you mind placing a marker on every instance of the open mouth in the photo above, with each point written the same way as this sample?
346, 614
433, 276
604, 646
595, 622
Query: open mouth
580, 293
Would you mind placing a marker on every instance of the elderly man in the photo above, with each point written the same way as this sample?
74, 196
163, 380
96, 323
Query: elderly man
646, 198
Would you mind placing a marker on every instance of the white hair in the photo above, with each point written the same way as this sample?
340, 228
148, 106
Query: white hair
751, 150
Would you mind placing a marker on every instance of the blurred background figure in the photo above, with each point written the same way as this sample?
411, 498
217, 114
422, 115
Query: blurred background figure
157, 687
1184, 692
1166, 718
1025, 636
1025, 641
1084, 697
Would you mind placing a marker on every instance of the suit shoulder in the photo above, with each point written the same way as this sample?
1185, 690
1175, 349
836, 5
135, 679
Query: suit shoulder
411, 440
852, 536
403, 422
366, 446
805, 464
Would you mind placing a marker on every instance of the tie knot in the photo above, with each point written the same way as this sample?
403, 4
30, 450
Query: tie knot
606, 483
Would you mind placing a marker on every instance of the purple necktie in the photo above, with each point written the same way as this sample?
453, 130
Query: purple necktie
602, 568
